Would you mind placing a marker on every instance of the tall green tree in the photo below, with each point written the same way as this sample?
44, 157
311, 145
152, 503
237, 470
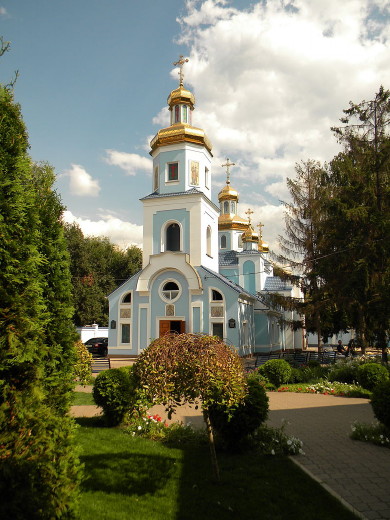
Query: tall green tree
299, 246
97, 268
357, 220
39, 471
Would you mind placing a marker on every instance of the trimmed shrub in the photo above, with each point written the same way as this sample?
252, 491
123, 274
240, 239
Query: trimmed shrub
370, 374
344, 373
234, 425
277, 371
83, 365
380, 403
114, 391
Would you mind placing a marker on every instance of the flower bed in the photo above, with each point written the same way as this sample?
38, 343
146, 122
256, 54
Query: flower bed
327, 388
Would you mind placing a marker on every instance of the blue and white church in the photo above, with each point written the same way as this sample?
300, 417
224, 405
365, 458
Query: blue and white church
204, 267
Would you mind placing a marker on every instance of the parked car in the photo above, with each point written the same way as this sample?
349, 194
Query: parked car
97, 346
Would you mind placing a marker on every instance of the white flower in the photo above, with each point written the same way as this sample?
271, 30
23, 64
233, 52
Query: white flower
289, 442
272, 452
140, 427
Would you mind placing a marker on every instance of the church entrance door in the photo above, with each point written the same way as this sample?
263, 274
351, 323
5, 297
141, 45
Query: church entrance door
166, 326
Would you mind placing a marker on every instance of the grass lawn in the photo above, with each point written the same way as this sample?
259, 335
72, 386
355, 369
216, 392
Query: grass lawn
133, 478
82, 398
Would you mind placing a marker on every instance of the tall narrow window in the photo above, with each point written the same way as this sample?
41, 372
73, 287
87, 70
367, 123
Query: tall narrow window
173, 237
206, 177
208, 240
155, 179
173, 171
233, 207
185, 114
125, 309
226, 207
177, 113
223, 242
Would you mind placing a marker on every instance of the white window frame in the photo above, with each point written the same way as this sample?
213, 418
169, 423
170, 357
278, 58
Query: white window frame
125, 321
161, 291
164, 229
167, 179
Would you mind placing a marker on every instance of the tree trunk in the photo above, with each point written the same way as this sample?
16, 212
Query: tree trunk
213, 454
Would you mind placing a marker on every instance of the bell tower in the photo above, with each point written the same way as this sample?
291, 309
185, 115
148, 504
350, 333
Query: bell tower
179, 215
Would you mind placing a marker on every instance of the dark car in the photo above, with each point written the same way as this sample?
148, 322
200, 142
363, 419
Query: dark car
97, 346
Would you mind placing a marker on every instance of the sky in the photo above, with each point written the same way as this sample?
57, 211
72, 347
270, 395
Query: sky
270, 78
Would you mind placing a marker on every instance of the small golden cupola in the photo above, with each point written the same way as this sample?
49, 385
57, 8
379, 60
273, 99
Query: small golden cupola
228, 200
263, 246
181, 103
250, 238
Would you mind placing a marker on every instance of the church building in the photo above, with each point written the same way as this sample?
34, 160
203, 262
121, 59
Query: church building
204, 267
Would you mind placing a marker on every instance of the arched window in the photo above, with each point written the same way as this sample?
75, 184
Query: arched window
127, 298
226, 206
185, 112
208, 240
177, 113
233, 207
223, 242
216, 296
173, 237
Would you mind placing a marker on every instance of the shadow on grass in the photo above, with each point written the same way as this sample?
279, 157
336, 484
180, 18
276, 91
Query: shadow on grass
126, 473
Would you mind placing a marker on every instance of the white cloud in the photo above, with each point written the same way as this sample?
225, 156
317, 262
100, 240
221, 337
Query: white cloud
122, 233
272, 79
3, 11
129, 162
81, 182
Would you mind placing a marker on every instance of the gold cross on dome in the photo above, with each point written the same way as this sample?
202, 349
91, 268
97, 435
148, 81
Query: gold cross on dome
181, 62
249, 213
228, 164
260, 226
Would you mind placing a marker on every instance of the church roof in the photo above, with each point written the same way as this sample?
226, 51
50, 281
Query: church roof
155, 195
228, 258
274, 283
192, 191
229, 283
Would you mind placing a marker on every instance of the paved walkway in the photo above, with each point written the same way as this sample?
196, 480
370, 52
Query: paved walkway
357, 473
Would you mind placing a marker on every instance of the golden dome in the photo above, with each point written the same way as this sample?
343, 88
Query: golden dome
263, 246
178, 133
181, 95
250, 235
228, 193
228, 221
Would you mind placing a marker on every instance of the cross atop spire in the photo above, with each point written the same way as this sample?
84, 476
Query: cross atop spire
181, 62
227, 165
249, 213
260, 226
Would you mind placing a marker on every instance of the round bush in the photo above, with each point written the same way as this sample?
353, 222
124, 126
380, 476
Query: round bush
371, 374
380, 403
114, 391
277, 371
343, 373
246, 417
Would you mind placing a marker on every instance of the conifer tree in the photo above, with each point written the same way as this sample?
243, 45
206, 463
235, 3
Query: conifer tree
39, 472
356, 251
299, 248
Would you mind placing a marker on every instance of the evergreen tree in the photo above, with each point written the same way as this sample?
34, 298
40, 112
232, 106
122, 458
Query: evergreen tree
299, 248
39, 472
60, 334
357, 247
